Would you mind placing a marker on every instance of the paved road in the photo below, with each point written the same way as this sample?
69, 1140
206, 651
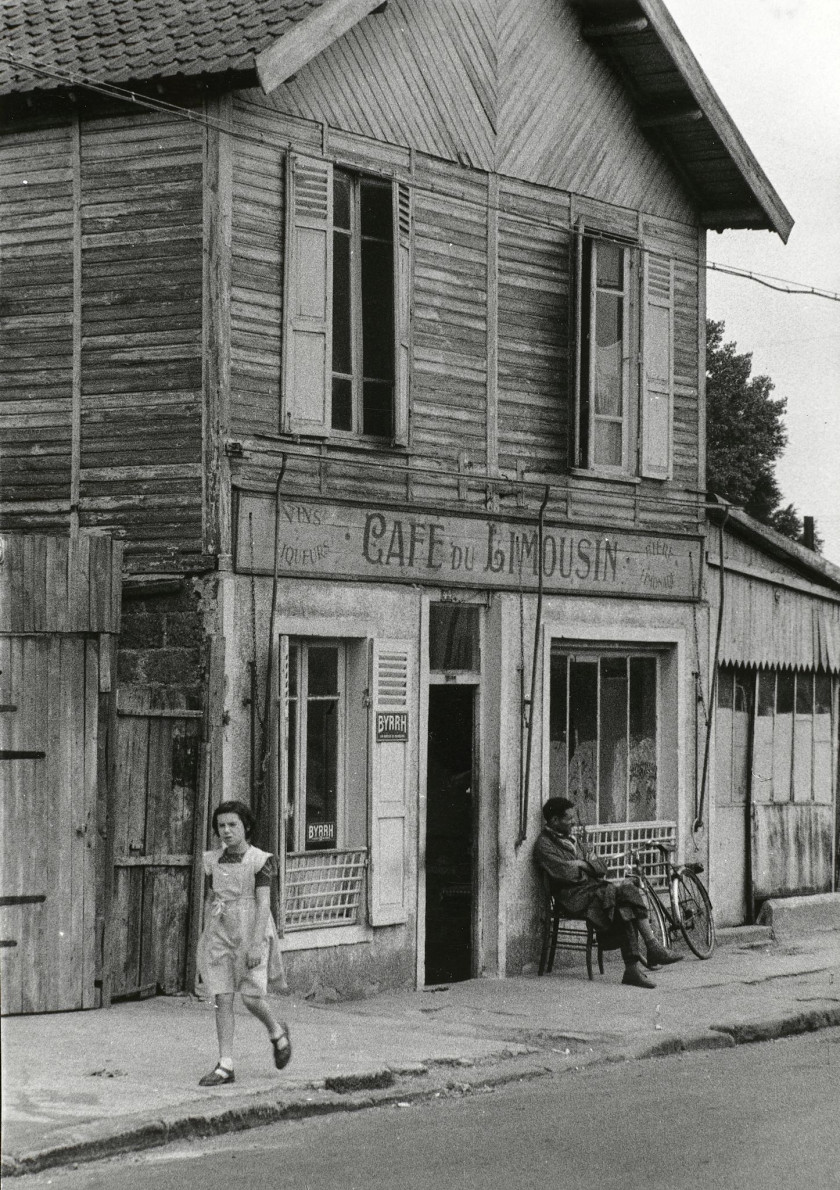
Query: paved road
760, 1117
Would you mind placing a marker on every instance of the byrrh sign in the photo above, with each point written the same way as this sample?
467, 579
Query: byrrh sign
346, 542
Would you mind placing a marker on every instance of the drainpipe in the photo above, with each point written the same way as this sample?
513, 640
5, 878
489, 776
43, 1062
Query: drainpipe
701, 795
273, 826
523, 800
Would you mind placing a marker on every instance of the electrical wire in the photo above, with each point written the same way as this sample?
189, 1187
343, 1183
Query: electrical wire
113, 91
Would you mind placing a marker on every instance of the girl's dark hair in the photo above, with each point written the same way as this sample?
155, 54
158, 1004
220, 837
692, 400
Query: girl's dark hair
235, 807
556, 807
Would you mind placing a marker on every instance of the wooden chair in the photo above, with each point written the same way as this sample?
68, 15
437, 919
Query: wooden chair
568, 933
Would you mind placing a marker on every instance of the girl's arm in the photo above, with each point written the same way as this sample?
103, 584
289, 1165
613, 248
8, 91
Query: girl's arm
263, 897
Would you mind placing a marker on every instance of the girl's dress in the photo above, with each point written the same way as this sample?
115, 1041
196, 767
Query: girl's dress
229, 929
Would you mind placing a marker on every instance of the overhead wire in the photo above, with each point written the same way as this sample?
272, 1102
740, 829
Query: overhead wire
113, 91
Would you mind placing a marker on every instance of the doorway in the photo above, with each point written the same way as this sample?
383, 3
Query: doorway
450, 835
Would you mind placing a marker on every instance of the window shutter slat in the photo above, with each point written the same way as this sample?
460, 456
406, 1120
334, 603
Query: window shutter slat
307, 342
391, 685
401, 207
657, 366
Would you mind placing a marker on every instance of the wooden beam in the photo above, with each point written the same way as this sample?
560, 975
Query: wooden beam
670, 119
721, 218
308, 38
596, 30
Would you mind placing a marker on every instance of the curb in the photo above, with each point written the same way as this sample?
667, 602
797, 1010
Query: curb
382, 1088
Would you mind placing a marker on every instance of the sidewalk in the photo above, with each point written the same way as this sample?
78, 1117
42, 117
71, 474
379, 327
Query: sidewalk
85, 1084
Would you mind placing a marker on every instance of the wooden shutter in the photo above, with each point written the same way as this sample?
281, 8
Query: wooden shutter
307, 342
657, 399
401, 207
391, 685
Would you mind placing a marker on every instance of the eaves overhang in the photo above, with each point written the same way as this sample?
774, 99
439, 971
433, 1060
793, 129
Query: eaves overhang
679, 110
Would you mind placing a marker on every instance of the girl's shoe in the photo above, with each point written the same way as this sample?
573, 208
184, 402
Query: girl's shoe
282, 1047
217, 1077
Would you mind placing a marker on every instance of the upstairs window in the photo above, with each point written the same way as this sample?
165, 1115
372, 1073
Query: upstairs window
345, 366
624, 367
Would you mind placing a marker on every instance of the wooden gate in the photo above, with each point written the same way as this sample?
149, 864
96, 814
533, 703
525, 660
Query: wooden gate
158, 827
59, 612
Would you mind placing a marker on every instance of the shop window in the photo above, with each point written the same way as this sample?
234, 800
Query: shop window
345, 366
625, 305
323, 737
604, 732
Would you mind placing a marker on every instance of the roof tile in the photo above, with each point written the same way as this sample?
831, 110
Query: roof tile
116, 40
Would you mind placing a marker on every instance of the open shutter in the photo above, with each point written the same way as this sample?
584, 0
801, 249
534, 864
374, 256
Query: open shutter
401, 207
391, 685
657, 366
307, 342
581, 381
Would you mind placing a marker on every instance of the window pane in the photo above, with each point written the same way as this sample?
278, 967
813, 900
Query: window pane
323, 671
608, 439
378, 310
725, 683
342, 190
377, 419
784, 692
583, 737
557, 785
643, 774
376, 209
612, 795
804, 694
822, 694
292, 773
342, 404
610, 265
453, 637
766, 691
342, 358
609, 344
321, 774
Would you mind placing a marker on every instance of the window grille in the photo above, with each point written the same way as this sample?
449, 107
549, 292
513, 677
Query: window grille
612, 842
323, 888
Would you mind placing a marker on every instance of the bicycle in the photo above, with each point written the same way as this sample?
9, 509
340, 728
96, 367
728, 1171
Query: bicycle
690, 912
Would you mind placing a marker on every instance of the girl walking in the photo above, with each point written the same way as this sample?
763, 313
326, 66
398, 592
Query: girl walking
239, 949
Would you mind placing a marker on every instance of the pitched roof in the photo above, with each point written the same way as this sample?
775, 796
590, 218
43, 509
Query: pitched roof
117, 41
44, 43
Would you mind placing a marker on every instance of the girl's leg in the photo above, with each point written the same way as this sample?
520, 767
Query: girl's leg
259, 1007
277, 1031
224, 1028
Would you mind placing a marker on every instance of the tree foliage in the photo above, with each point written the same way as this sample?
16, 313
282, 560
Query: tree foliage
745, 435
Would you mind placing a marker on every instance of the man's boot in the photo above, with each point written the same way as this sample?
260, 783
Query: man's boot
660, 956
636, 978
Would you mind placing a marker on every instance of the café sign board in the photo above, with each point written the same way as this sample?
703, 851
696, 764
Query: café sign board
332, 541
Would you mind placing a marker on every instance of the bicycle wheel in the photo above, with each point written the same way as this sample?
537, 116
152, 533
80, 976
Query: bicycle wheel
696, 920
656, 916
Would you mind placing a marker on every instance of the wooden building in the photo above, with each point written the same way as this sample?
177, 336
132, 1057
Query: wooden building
775, 614
375, 331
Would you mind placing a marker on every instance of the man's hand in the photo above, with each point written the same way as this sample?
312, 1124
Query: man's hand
254, 956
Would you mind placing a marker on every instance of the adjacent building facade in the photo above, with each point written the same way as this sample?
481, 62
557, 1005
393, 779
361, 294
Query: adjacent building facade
376, 334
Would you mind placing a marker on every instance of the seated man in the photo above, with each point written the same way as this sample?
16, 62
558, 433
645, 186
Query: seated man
579, 881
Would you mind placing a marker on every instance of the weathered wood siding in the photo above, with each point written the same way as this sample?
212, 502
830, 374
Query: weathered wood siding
59, 614
450, 316
36, 318
505, 86
101, 285
256, 303
141, 428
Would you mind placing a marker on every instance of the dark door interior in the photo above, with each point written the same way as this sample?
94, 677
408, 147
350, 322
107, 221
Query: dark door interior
449, 835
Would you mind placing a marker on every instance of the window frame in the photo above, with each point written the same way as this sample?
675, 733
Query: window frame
596, 655
647, 362
307, 374
300, 648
